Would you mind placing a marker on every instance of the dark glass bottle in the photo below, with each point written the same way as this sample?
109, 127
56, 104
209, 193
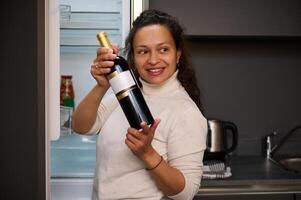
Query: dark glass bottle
126, 89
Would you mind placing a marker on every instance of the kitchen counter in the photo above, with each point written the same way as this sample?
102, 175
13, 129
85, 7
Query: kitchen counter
253, 175
250, 174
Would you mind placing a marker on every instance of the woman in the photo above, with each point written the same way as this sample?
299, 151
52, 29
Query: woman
161, 161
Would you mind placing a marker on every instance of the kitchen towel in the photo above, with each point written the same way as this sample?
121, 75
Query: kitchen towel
216, 170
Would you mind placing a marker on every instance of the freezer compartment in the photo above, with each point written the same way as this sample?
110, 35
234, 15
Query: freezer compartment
70, 189
73, 156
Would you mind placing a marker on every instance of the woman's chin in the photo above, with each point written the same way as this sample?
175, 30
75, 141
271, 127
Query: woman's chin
156, 77
155, 80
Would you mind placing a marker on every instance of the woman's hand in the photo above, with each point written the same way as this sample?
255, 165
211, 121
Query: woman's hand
102, 65
140, 141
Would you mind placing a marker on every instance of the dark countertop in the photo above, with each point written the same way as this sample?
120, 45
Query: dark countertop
253, 175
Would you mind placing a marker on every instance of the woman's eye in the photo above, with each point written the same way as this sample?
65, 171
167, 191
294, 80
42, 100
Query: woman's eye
163, 50
141, 52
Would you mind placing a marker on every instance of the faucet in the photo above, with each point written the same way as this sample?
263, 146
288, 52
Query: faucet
272, 149
268, 143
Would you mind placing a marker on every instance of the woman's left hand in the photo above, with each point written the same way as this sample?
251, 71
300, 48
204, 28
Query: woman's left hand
139, 142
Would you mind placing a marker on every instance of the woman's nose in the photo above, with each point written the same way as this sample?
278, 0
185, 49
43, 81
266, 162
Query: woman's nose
153, 59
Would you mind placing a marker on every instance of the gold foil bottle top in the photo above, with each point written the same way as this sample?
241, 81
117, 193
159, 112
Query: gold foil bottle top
104, 40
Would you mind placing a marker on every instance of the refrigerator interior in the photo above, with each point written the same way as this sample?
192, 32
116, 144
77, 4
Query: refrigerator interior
79, 23
72, 156
71, 43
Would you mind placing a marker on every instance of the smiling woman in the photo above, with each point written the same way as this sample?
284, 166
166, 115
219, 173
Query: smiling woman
161, 161
171, 33
155, 52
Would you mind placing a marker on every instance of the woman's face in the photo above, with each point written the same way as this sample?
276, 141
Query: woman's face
155, 53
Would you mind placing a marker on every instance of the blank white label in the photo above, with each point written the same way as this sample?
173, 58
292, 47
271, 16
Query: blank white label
122, 81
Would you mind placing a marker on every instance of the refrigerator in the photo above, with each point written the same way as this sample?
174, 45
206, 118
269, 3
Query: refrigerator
70, 32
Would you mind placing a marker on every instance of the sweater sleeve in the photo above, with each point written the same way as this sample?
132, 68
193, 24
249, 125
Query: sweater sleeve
106, 107
191, 167
186, 146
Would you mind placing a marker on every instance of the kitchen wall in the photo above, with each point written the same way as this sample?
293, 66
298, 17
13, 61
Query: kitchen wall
254, 83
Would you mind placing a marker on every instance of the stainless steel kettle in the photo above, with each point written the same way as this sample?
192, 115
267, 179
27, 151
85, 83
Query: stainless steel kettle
219, 134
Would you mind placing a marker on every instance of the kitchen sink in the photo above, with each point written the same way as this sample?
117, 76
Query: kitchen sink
291, 164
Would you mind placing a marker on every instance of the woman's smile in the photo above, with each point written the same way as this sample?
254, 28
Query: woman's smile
155, 71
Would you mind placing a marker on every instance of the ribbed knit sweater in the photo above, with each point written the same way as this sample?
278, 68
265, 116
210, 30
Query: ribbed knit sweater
180, 138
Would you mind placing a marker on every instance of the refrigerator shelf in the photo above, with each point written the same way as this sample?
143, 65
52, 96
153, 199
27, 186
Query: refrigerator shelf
91, 20
78, 38
85, 49
78, 29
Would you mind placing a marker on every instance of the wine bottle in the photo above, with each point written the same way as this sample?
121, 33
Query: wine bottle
126, 89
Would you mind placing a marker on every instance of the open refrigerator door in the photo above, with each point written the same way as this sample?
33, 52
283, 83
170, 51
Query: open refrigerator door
52, 65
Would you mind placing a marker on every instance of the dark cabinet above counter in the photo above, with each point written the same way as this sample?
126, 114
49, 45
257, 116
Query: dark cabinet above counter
235, 17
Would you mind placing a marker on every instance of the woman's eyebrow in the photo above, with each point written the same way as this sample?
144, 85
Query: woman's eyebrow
141, 46
159, 44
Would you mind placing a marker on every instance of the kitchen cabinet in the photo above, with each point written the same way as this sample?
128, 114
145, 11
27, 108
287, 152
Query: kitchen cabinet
235, 17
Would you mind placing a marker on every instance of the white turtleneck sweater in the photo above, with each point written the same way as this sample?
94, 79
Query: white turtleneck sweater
180, 138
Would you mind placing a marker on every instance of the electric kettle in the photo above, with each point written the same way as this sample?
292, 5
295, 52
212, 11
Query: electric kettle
220, 135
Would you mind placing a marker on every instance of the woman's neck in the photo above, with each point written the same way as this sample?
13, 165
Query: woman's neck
166, 87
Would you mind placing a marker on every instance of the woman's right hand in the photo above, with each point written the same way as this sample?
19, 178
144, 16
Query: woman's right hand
102, 65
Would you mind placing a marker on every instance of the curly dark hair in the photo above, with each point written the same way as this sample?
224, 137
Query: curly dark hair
186, 74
